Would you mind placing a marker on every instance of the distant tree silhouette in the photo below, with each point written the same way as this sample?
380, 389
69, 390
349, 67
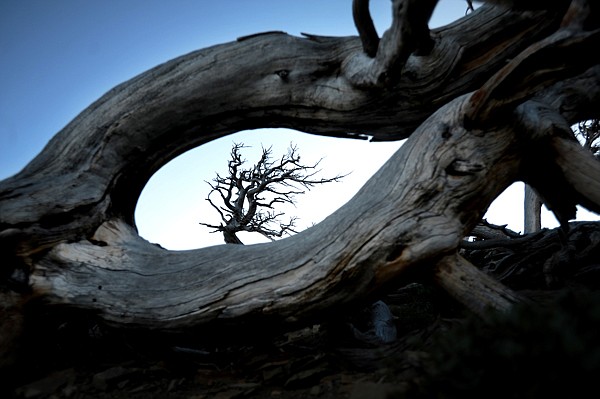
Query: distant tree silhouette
249, 196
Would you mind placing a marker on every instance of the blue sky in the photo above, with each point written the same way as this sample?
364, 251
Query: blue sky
59, 56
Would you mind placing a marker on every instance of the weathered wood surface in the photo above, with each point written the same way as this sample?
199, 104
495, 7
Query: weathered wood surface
532, 210
98, 164
416, 208
66, 220
464, 281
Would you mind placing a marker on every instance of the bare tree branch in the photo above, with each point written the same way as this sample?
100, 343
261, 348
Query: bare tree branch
469, 7
365, 27
487, 231
384, 59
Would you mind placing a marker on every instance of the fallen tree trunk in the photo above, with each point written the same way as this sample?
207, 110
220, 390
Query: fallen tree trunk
413, 211
66, 221
97, 166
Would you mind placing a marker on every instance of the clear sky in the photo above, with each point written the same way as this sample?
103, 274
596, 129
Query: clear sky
59, 56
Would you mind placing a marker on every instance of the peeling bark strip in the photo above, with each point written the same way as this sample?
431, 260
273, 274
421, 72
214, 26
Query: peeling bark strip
67, 218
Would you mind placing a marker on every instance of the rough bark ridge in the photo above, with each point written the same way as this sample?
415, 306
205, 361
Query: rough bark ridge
486, 101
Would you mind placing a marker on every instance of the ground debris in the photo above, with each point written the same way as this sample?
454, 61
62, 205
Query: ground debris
57, 383
113, 376
323, 361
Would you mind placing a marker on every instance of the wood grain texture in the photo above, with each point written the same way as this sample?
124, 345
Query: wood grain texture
66, 220
412, 212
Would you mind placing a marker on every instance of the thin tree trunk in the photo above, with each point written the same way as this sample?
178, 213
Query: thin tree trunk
231, 238
533, 211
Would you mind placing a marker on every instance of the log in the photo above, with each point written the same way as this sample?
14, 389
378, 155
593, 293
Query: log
399, 218
96, 167
413, 211
66, 220
465, 282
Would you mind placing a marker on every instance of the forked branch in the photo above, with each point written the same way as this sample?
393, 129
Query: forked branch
365, 27
581, 170
382, 61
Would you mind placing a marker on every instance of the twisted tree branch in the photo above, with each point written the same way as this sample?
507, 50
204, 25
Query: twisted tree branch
365, 27
66, 221
280, 181
386, 58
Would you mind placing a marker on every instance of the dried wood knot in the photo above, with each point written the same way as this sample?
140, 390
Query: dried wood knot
460, 167
283, 73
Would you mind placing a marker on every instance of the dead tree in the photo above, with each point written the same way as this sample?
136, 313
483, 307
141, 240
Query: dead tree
249, 196
485, 102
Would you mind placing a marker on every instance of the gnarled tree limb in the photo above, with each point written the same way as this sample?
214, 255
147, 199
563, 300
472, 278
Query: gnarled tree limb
432, 196
437, 187
99, 163
471, 286
67, 218
384, 59
365, 27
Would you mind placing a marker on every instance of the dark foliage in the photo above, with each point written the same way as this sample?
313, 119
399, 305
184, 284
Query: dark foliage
531, 352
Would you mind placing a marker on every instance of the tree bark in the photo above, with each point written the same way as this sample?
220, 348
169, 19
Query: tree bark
546, 260
432, 196
66, 220
463, 281
292, 82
